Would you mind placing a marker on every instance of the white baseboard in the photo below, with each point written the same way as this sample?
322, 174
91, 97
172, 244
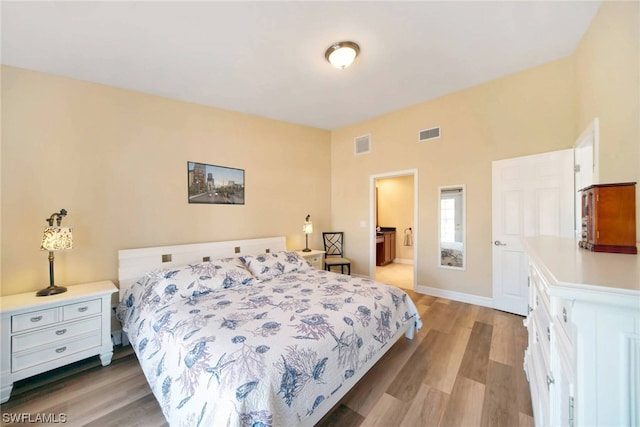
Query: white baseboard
455, 296
452, 295
403, 261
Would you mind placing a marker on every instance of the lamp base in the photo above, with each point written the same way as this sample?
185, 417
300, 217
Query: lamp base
306, 250
51, 290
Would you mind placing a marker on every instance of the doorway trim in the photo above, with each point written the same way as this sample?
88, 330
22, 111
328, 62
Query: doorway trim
372, 219
587, 146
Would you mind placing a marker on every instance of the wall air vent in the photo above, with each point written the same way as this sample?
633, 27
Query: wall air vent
427, 134
362, 144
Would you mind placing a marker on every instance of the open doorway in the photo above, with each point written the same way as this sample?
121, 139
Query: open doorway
393, 214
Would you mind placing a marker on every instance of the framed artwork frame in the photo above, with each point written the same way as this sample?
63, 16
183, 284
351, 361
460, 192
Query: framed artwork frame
213, 184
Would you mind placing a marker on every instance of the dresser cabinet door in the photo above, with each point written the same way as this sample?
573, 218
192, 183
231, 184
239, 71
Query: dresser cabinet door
563, 401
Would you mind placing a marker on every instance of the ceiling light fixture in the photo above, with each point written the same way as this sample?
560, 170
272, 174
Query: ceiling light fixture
342, 54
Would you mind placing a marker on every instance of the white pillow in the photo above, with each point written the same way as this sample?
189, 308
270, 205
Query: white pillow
202, 278
268, 266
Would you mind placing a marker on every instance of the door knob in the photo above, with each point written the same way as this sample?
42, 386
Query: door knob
499, 243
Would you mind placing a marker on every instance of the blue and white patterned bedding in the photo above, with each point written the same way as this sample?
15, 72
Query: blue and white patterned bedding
253, 352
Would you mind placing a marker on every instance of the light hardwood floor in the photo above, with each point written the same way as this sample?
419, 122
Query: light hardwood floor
464, 368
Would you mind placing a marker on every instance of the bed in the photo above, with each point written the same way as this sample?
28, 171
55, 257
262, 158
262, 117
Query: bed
244, 333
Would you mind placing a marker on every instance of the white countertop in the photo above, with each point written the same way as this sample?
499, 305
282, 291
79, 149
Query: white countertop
10, 303
311, 252
568, 265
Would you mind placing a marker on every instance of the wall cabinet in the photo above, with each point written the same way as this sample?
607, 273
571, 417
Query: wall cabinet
583, 354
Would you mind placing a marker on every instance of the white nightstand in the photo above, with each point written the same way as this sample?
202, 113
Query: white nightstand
42, 333
314, 257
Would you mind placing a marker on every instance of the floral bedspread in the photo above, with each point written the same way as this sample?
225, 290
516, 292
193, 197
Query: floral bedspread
268, 353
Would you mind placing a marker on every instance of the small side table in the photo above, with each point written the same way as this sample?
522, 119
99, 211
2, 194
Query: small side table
314, 257
38, 334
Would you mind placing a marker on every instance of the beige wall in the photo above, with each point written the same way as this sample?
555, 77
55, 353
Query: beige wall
608, 70
116, 160
395, 209
525, 113
541, 109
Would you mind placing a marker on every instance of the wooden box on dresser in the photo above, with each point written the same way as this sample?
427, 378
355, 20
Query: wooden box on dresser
43, 333
583, 355
609, 218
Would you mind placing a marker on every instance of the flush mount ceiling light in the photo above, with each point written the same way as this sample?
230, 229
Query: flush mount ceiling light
342, 54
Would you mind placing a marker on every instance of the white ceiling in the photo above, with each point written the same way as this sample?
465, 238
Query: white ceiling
267, 58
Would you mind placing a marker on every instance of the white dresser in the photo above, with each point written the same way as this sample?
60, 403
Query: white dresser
42, 333
583, 358
314, 257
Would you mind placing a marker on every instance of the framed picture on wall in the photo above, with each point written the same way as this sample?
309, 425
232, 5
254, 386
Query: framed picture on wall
216, 185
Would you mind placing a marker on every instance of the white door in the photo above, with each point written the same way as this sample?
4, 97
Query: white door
531, 196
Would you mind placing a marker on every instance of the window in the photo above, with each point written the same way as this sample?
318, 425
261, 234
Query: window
447, 220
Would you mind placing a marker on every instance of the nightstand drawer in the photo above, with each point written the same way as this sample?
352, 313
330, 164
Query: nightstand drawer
81, 309
34, 319
315, 261
51, 335
28, 359
313, 257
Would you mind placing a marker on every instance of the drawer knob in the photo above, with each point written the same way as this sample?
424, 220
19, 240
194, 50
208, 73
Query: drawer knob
83, 309
61, 332
564, 314
548, 333
36, 318
61, 349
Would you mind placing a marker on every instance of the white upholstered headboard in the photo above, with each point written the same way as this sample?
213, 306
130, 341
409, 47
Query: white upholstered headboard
134, 263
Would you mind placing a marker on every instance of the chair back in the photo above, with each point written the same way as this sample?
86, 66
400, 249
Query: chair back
333, 243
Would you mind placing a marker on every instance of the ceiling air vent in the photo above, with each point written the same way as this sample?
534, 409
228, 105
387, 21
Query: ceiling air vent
427, 134
362, 144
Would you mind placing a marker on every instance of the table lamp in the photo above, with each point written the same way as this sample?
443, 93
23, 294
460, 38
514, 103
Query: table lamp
55, 238
307, 228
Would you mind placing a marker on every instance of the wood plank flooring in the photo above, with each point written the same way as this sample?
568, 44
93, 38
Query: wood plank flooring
464, 368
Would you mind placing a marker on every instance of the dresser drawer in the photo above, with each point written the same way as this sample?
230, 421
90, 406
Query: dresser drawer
539, 384
28, 359
34, 319
51, 335
562, 317
81, 309
543, 334
540, 286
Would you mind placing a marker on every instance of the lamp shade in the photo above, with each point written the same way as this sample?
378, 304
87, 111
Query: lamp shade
307, 227
56, 239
